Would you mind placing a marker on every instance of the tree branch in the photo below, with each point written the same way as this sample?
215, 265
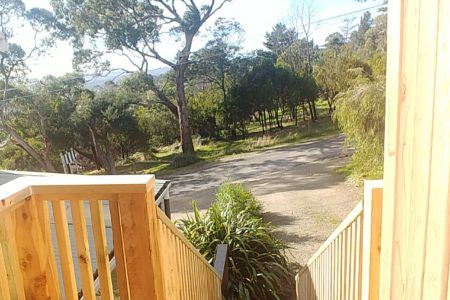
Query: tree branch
165, 101
172, 10
211, 11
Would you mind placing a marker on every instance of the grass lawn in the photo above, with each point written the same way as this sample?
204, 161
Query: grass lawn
213, 150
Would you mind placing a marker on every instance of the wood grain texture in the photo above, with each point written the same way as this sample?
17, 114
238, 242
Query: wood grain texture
153, 258
4, 285
101, 249
415, 233
32, 253
65, 249
82, 245
187, 274
44, 220
119, 251
9, 244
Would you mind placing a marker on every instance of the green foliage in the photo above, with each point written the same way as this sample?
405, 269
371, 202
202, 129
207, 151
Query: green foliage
300, 55
360, 113
240, 196
159, 125
280, 38
256, 259
335, 41
183, 160
351, 76
13, 158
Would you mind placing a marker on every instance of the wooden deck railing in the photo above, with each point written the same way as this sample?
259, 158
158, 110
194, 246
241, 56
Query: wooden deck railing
153, 259
346, 266
191, 276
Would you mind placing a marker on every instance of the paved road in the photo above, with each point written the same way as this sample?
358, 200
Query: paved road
298, 186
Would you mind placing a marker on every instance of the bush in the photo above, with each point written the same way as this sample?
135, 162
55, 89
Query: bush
360, 113
238, 197
256, 259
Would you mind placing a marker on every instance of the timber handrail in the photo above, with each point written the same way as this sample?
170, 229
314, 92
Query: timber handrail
346, 265
153, 259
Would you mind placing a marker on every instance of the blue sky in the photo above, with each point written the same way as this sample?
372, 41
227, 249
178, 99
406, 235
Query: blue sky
256, 17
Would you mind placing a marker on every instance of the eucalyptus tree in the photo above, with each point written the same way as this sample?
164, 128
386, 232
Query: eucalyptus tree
135, 29
15, 99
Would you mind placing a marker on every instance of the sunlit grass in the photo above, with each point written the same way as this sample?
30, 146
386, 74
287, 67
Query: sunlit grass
209, 150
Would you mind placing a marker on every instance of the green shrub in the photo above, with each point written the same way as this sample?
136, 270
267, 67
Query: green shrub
256, 259
238, 197
360, 113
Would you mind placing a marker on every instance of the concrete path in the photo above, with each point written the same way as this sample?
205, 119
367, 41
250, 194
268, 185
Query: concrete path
301, 193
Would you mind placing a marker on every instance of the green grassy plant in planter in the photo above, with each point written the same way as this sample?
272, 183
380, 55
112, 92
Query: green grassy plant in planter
256, 259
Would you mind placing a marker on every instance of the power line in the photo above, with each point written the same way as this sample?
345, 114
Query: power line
348, 14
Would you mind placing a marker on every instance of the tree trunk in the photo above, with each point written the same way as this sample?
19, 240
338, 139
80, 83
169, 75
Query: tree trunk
92, 157
265, 121
330, 106
260, 120
270, 119
43, 162
314, 110
304, 111
183, 120
311, 111
107, 160
105, 157
296, 115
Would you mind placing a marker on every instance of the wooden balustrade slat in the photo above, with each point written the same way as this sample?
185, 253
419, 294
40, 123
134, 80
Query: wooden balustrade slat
360, 249
32, 253
101, 249
168, 262
175, 282
7, 225
119, 253
185, 273
65, 249
191, 273
352, 261
82, 245
163, 249
4, 285
44, 220
188, 272
179, 269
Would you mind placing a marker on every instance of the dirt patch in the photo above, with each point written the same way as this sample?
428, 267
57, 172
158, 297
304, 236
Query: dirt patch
300, 191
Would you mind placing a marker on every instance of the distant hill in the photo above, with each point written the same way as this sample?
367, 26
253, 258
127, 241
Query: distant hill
116, 76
